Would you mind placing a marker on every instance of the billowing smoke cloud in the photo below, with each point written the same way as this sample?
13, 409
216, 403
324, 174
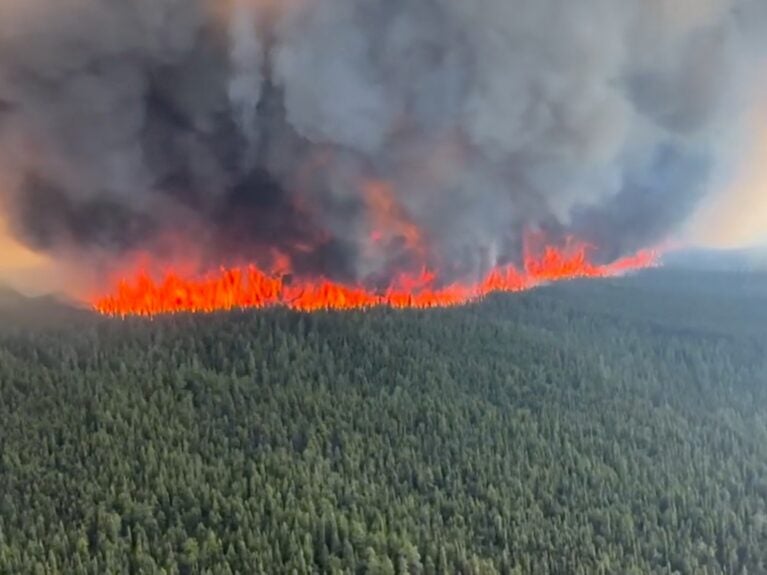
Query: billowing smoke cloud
236, 127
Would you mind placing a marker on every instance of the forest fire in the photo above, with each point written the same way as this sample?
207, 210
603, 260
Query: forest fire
252, 287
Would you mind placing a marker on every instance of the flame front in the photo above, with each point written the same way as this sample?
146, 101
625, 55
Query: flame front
252, 287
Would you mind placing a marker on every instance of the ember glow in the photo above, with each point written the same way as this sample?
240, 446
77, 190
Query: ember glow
252, 287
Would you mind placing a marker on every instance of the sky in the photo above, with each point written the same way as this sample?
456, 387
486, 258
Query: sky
20, 267
735, 216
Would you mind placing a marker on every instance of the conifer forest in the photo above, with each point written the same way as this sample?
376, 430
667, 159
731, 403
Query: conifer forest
608, 427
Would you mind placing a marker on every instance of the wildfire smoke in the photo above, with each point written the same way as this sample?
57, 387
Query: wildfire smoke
363, 141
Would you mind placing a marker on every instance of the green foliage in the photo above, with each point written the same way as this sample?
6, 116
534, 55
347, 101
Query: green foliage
609, 427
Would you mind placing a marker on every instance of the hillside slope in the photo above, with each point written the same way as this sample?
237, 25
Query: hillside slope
20, 311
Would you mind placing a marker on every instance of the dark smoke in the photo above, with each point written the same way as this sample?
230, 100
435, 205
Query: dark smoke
237, 127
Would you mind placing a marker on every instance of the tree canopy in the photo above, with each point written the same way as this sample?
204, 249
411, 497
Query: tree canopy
597, 427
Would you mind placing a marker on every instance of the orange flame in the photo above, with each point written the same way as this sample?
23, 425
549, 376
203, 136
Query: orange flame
389, 219
251, 287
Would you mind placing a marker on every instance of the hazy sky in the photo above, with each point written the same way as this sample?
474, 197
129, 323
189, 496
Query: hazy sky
20, 267
736, 215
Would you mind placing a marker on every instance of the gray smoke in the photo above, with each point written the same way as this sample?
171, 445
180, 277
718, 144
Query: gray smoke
237, 127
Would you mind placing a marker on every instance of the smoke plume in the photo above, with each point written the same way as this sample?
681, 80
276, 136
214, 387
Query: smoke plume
234, 129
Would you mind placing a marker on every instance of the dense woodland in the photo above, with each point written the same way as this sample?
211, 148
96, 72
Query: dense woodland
597, 427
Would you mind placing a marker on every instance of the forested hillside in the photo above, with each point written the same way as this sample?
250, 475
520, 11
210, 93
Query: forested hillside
616, 426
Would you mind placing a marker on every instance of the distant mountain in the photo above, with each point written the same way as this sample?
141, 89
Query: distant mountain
749, 259
16, 309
